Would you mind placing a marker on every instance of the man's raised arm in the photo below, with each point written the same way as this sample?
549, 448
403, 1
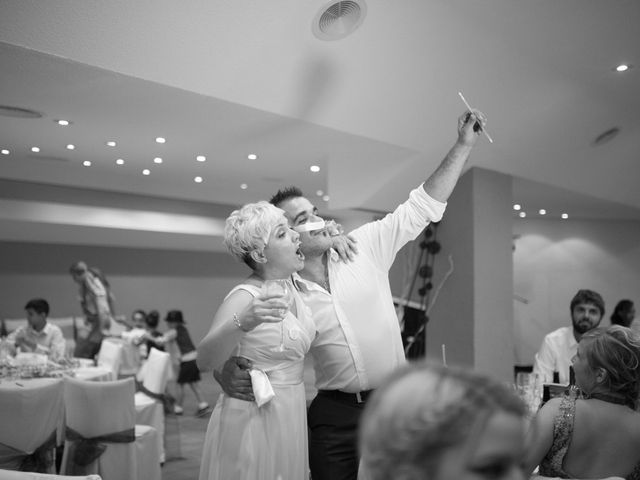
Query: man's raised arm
442, 181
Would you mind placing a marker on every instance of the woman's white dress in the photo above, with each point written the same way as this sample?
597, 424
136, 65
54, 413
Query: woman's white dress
247, 442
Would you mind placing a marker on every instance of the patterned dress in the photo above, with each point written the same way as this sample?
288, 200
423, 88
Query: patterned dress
247, 442
551, 464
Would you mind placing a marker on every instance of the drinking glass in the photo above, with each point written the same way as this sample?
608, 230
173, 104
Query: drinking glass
279, 287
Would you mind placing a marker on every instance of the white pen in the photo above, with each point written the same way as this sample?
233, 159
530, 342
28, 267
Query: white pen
471, 110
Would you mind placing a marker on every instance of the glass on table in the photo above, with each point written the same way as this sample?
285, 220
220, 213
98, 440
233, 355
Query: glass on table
279, 287
529, 389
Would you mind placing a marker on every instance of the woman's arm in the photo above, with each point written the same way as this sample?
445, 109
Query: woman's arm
238, 314
540, 434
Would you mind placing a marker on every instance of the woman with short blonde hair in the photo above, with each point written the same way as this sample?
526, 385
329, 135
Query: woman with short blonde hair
265, 438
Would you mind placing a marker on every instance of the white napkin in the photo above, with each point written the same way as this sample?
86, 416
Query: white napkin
262, 390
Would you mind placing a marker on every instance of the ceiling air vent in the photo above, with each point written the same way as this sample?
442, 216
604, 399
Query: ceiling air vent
336, 20
9, 111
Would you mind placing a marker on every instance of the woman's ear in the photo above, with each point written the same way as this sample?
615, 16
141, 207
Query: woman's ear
258, 256
601, 375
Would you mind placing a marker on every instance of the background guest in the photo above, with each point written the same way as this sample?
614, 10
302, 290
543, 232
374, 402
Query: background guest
595, 434
38, 335
623, 314
438, 423
97, 303
136, 334
559, 346
151, 322
177, 336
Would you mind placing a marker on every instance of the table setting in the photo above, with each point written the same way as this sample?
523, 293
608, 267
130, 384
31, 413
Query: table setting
28, 366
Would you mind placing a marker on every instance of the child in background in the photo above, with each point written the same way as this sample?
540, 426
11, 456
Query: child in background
151, 322
178, 336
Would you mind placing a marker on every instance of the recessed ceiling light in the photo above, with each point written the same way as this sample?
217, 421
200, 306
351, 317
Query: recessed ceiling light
111, 143
564, 216
157, 160
522, 214
517, 207
160, 140
319, 193
5, 151
71, 146
119, 161
326, 198
35, 149
87, 163
314, 168
198, 179
201, 158
146, 171
542, 211
63, 123
252, 156
622, 67
244, 186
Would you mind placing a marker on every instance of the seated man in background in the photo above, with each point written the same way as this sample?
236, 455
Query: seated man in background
561, 345
38, 335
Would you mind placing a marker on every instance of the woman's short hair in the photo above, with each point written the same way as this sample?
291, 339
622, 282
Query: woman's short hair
421, 411
616, 349
249, 228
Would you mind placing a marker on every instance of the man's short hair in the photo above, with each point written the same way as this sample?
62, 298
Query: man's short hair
285, 194
39, 305
588, 296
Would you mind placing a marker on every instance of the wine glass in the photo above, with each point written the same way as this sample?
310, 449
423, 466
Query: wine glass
279, 287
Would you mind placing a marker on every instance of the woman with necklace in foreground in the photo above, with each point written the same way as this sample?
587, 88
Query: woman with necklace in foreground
593, 432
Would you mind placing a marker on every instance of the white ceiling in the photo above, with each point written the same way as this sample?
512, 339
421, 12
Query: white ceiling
375, 110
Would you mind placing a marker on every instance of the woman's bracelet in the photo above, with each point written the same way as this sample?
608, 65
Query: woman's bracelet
236, 321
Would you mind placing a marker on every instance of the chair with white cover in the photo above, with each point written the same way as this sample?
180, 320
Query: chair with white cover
150, 399
101, 435
110, 356
11, 475
31, 416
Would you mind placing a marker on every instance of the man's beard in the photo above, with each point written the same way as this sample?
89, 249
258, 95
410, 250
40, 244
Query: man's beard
584, 326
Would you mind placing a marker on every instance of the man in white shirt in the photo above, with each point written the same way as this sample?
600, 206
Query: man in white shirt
561, 345
358, 341
38, 335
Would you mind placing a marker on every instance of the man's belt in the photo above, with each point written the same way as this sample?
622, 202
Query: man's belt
344, 397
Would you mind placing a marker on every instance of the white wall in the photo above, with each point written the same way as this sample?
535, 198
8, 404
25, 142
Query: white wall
553, 259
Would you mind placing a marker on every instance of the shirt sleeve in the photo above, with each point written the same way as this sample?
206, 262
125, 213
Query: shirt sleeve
382, 239
58, 344
545, 362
